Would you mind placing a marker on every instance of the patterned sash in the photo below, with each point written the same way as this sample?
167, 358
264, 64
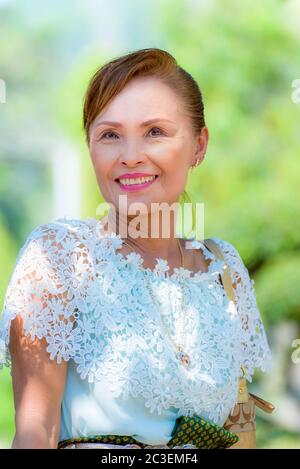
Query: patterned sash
188, 432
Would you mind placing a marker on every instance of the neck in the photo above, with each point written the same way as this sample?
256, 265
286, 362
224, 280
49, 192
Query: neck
147, 234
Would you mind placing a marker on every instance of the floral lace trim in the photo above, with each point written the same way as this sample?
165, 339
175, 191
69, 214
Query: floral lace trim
66, 283
162, 266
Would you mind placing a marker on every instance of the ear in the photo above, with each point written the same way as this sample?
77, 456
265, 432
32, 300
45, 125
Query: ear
201, 143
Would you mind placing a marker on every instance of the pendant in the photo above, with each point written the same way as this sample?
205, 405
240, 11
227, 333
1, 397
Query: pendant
183, 357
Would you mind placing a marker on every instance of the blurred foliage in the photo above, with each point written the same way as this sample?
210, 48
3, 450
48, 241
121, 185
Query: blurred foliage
244, 56
70, 95
8, 253
7, 427
270, 436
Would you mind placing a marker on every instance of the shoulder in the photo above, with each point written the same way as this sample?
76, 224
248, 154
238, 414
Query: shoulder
232, 255
61, 230
226, 246
240, 275
56, 241
62, 227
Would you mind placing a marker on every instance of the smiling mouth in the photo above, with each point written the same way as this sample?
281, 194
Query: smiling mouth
136, 183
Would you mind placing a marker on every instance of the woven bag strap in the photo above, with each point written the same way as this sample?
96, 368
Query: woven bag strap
226, 277
212, 246
243, 394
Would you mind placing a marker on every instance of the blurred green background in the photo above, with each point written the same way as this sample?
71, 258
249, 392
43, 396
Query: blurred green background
245, 57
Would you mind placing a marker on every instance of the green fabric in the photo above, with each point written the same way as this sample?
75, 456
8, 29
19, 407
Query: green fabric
114, 439
187, 430
201, 433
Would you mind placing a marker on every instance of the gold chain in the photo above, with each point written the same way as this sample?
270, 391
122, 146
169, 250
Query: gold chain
180, 354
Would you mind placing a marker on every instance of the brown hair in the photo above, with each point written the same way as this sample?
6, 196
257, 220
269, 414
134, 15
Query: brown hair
113, 76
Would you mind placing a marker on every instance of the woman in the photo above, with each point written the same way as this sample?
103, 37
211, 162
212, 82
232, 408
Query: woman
93, 318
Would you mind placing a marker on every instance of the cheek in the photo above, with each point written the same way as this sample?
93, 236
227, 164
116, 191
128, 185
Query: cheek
101, 161
174, 164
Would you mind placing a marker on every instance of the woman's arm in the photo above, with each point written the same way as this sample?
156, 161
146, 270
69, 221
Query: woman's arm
38, 385
34, 436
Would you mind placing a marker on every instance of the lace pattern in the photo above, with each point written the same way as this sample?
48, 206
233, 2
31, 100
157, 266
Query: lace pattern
71, 286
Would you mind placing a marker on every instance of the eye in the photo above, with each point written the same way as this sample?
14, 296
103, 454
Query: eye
106, 133
157, 128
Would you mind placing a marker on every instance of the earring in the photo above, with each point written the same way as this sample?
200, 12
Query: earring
196, 164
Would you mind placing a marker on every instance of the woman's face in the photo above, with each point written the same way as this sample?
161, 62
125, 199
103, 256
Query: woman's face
165, 148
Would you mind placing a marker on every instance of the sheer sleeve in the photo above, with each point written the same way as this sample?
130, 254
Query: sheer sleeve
255, 350
42, 292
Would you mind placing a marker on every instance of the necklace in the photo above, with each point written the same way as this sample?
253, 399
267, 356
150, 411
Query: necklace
181, 355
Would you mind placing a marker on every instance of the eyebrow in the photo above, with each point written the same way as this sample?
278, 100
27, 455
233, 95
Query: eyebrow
143, 124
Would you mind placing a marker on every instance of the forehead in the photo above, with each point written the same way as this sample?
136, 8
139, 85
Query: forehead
144, 97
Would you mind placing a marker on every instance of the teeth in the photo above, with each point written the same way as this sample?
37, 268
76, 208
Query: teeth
142, 180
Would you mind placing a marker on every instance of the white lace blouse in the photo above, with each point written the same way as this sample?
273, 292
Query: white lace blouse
91, 303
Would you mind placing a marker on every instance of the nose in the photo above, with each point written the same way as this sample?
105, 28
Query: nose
132, 153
